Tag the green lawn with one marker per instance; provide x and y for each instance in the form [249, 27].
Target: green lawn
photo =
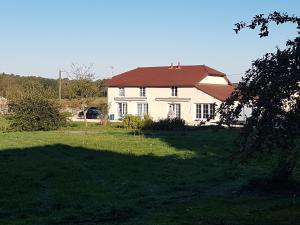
[107, 175]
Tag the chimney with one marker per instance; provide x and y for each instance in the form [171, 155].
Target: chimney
[178, 66]
[171, 67]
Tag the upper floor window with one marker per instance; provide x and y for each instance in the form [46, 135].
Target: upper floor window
[142, 91]
[174, 91]
[121, 92]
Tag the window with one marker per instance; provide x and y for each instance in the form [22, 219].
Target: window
[142, 91]
[174, 91]
[142, 109]
[122, 109]
[212, 110]
[198, 111]
[205, 111]
[121, 92]
[177, 109]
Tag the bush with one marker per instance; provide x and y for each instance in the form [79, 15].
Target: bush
[147, 121]
[167, 124]
[33, 113]
[66, 114]
[137, 122]
[3, 123]
[132, 122]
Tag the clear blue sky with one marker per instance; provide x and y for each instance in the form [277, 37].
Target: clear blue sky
[37, 37]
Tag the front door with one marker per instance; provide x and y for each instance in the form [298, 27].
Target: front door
[122, 109]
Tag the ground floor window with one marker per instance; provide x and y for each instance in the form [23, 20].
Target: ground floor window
[176, 109]
[198, 111]
[212, 109]
[142, 109]
[205, 111]
[122, 109]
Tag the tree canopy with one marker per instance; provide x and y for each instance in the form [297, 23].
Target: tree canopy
[13, 86]
[271, 88]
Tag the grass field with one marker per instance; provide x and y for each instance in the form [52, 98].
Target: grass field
[107, 175]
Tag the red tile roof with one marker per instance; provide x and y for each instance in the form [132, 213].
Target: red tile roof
[218, 91]
[185, 76]
[163, 76]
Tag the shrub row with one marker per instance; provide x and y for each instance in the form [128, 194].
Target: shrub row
[167, 124]
[146, 123]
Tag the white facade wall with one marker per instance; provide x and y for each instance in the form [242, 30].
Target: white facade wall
[159, 99]
[213, 80]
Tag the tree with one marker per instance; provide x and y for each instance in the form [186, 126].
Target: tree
[271, 88]
[81, 82]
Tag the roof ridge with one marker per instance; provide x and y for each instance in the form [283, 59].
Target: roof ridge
[140, 67]
[214, 84]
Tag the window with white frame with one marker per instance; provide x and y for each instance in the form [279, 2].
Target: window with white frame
[122, 109]
[198, 111]
[205, 111]
[142, 109]
[174, 91]
[212, 107]
[177, 109]
[121, 91]
[142, 91]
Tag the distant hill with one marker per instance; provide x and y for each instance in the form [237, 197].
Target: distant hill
[11, 84]
[14, 85]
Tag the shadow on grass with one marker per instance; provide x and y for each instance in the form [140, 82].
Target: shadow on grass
[60, 184]
[200, 140]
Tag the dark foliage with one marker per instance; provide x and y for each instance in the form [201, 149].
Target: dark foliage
[271, 89]
[166, 124]
[269, 186]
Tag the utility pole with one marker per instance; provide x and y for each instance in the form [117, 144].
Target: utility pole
[59, 86]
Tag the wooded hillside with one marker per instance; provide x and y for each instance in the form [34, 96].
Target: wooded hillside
[14, 85]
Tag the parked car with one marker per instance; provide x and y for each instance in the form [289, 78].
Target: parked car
[91, 113]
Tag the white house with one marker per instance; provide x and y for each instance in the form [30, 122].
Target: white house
[192, 92]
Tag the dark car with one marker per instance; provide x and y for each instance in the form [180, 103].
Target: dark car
[91, 113]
